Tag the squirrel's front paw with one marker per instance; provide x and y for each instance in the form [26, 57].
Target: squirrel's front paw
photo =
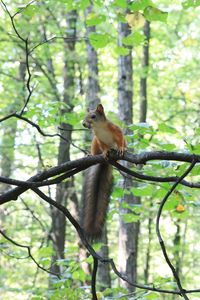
[120, 151]
[106, 154]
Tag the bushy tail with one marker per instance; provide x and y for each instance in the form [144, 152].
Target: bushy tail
[96, 194]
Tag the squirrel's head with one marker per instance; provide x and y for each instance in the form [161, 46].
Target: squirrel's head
[94, 116]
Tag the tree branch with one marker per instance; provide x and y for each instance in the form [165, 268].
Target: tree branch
[19, 116]
[26, 46]
[29, 252]
[95, 255]
[161, 241]
[72, 167]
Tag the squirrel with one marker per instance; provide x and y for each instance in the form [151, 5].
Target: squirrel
[98, 178]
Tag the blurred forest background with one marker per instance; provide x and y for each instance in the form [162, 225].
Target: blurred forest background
[140, 59]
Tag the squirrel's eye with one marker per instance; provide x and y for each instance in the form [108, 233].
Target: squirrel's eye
[93, 116]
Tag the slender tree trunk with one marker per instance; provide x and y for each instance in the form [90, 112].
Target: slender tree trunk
[92, 96]
[128, 232]
[142, 119]
[8, 140]
[143, 79]
[62, 190]
[92, 92]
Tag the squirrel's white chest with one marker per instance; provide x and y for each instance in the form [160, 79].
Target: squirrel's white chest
[105, 136]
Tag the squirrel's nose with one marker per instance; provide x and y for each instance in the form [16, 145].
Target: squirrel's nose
[84, 124]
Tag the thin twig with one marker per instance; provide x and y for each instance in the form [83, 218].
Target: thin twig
[19, 116]
[162, 244]
[154, 178]
[29, 253]
[26, 45]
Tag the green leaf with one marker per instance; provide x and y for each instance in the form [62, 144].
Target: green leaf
[197, 130]
[135, 208]
[166, 128]
[171, 203]
[93, 19]
[83, 4]
[118, 192]
[122, 51]
[120, 3]
[31, 10]
[121, 18]
[143, 191]
[129, 218]
[190, 3]
[79, 275]
[168, 147]
[134, 39]
[72, 119]
[45, 252]
[181, 216]
[152, 296]
[142, 128]
[195, 171]
[139, 5]
[196, 149]
[155, 14]
[98, 40]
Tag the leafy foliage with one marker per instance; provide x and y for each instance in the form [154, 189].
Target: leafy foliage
[173, 125]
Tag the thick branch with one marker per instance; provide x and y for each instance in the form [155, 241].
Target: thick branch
[72, 167]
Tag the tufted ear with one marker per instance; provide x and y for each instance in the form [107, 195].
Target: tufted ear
[100, 109]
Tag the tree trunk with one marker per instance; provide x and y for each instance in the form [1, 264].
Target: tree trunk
[143, 79]
[92, 92]
[142, 119]
[128, 232]
[92, 96]
[8, 140]
[62, 190]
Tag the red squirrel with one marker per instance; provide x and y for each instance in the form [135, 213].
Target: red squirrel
[98, 178]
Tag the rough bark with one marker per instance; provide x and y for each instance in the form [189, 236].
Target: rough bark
[92, 92]
[143, 79]
[127, 241]
[142, 119]
[128, 232]
[63, 189]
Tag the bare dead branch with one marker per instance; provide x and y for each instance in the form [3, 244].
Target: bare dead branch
[29, 252]
[19, 116]
[26, 46]
[51, 39]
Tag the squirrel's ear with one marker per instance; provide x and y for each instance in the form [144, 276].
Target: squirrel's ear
[100, 108]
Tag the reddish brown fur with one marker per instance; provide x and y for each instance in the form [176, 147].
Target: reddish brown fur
[98, 179]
